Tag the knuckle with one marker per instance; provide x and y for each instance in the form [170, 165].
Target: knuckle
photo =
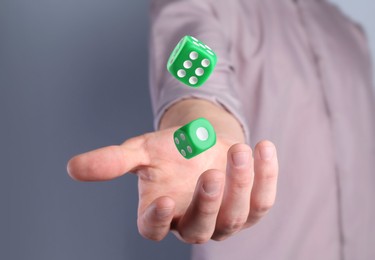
[243, 184]
[230, 226]
[206, 210]
[269, 176]
[260, 208]
[219, 237]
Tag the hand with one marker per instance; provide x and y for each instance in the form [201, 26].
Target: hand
[211, 196]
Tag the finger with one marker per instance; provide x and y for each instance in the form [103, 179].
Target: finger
[154, 223]
[108, 162]
[265, 181]
[198, 223]
[235, 208]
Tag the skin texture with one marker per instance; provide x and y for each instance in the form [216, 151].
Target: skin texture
[211, 196]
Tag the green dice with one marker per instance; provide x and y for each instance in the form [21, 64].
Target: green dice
[194, 138]
[191, 62]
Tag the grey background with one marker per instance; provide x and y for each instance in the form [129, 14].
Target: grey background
[73, 77]
[362, 11]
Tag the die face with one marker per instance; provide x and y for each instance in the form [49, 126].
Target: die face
[183, 144]
[192, 62]
[195, 138]
[202, 134]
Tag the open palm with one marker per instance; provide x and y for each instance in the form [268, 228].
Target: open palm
[212, 195]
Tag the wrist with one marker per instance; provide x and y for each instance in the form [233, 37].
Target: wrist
[225, 124]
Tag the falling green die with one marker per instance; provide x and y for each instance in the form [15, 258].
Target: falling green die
[194, 138]
[191, 61]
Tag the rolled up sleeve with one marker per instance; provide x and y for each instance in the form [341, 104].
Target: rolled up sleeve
[170, 21]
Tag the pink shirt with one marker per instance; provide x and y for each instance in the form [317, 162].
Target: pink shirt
[297, 73]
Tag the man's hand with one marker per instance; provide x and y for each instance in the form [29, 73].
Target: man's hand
[211, 196]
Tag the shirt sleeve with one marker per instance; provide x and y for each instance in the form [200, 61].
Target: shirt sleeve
[170, 21]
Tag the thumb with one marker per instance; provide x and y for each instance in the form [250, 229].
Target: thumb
[108, 162]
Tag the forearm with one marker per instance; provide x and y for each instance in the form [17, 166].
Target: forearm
[225, 124]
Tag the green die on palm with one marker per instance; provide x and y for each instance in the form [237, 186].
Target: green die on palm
[191, 61]
[194, 138]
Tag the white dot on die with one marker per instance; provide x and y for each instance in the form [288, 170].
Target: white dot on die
[193, 38]
[202, 133]
[208, 47]
[202, 45]
[181, 73]
[199, 71]
[210, 52]
[196, 43]
[182, 136]
[189, 149]
[193, 55]
[183, 152]
[205, 63]
[193, 80]
[176, 140]
[187, 64]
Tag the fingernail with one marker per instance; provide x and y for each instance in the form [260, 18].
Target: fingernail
[266, 153]
[211, 188]
[240, 158]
